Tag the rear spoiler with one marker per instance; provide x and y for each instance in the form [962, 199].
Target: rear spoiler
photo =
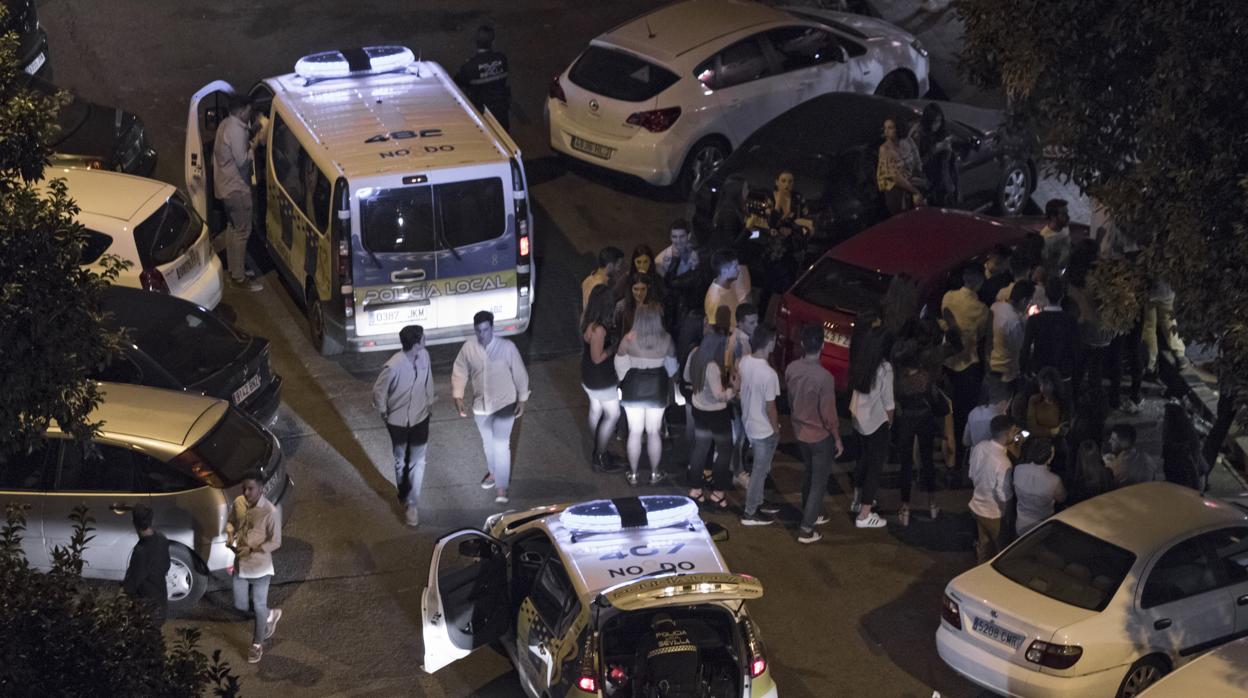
[661, 589]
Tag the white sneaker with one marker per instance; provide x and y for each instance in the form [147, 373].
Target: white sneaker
[501, 498]
[412, 517]
[822, 520]
[270, 626]
[808, 537]
[871, 520]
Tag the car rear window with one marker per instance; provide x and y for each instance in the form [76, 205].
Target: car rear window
[235, 448]
[167, 233]
[1066, 564]
[619, 75]
[187, 341]
[841, 286]
[425, 218]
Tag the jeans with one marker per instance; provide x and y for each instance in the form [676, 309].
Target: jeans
[409, 445]
[259, 588]
[738, 439]
[496, 439]
[922, 426]
[966, 386]
[817, 460]
[238, 210]
[871, 463]
[709, 428]
[764, 451]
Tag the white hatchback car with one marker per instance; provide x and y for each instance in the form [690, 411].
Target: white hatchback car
[151, 225]
[669, 94]
[1104, 598]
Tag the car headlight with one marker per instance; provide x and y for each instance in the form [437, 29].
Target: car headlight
[918, 48]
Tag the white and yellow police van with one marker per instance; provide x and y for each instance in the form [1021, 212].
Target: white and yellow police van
[611, 597]
[386, 198]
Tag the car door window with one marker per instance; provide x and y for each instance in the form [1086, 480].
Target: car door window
[156, 477]
[550, 593]
[93, 467]
[803, 47]
[1184, 571]
[740, 63]
[1230, 550]
[24, 471]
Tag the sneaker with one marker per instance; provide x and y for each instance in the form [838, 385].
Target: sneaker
[606, 463]
[821, 520]
[657, 477]
[501, 498]
[757, 519]
[487, 482]
[249, 285]
[254, 654]
[933, 511]
[871, 520]
[769, 508]
[855, 505]
[412, 517]
[632, 478]
[270, 627]
[808, 537]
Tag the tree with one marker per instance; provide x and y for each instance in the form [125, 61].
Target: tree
[51, 329]
[1140, 104]
[63, 637]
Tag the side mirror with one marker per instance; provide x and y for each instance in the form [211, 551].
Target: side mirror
[719, 534]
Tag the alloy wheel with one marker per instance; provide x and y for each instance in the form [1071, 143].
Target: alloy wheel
[1014, 191]
[704, 161]
[178, 579]
[1140, 678]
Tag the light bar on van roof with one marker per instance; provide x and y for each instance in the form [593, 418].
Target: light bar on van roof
[603, 515]
[358, 61]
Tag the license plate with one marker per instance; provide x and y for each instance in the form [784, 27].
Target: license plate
[192, 261]
[598, 151]
[832, 337]
[995, 632]
[36, 64]
[393, 316]
[248, 388]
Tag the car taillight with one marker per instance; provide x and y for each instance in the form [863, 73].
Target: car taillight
[949, 611]
[524, 246]
[1052, 655]
[191, 462]
[655, 121]
[588, 680]
[153, 280]
[555, 91]
[588, 684]
[754, 645]
[344, 278]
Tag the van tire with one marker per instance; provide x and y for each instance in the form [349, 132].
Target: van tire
[186, 581]
[324, 343]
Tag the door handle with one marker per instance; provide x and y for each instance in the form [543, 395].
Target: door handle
[1242, 601]
[1162, 624]
[119, 508]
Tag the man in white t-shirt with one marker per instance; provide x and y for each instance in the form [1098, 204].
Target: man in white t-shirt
[759, 387]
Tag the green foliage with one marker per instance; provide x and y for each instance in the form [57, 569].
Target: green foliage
[51, 333]
[1140, 103]
[66, 638]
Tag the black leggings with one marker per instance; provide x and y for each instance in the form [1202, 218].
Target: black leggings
[908, 428]
[871, 463]
[713, 427]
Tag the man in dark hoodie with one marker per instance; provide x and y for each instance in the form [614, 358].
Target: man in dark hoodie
[149, 564]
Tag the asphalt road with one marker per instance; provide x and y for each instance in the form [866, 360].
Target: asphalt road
[852, 615]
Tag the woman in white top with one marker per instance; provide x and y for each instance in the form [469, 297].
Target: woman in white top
[712, 420]
[645, 363]
[871, 377]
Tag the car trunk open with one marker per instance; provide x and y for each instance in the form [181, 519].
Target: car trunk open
[628, 641]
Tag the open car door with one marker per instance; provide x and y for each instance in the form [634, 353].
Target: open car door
[209, 106]
[467, 603]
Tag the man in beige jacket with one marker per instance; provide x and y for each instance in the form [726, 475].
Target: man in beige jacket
[253, 531]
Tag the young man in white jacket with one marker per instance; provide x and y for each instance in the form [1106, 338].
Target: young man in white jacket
[403, 394]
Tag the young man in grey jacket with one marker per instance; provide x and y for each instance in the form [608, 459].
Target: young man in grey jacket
[403, 394]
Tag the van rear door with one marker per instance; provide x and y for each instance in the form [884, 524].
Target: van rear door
[393, 265]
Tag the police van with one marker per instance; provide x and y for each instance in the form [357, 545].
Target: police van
[385, 198]
[612, 597]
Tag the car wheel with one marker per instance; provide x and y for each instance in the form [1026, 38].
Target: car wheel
[1014, 190]
[321, 339]
[703, 157]
[1141, 675]
[185, 582]
[897, 85]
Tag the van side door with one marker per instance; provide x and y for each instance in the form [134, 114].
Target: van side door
[209, 106]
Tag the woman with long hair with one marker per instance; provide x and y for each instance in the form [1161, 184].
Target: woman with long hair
[940, 163]
[712, 420]
[728, 222]
[871, 405]
[645, 365]
[598, 374]
[639, 289]
[1180, 448]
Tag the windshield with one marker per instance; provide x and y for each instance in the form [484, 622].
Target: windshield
[235, 448]
[1066, 564]
[167, 233]
[836, 284]
[433, 217]
[188, 342]
[619, 75]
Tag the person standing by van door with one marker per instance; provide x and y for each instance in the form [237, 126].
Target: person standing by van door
[231, 183]
[484, 78]
[149, 565]
[500, 387]
[403, 394]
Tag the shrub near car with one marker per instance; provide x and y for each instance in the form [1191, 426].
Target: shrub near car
[582, 598]
[1103, 598]
[182, 455]
[666, 96]
[178, 345]
[929, 245]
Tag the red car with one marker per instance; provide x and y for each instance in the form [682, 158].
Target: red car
[928, 244]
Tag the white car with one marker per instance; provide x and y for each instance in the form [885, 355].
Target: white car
[668, 95]
[1219, 672]
[611, 598]
[151, 225]
[1102, 599]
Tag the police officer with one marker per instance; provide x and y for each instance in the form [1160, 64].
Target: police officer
[484, 78]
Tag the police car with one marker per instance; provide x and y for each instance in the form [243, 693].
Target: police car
[612, 597]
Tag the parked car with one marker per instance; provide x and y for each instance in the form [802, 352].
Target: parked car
[831, 145]
[1103, 598]
[666, 96]
[22, 19]
[575, 594]
[1219, 672]
[98, 137]
[178, 345]
[182, 455]
[930, 245]
[149, 224]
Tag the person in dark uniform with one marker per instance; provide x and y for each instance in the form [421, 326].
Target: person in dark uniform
[149, 565]
[668, 661]
[484, 78]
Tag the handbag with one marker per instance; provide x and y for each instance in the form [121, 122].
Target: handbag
[645, 385]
